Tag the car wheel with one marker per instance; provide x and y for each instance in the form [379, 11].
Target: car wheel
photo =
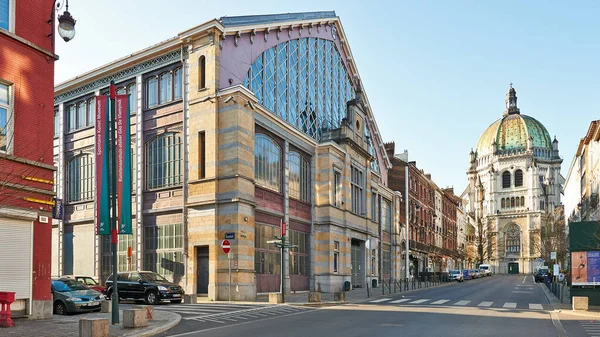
[176, 301]
[151, 298]
[60, 308]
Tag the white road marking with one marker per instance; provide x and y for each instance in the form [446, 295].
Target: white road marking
[524, 278]
[402, 300]
[510, 305]
[521, 292]
[380, 300]
[440, 302]
[419, 301]
[485, 304]
[462, 303]
[535, 306]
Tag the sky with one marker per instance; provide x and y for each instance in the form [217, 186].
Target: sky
[435, 72]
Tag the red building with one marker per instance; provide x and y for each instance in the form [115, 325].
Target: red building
[26, 158]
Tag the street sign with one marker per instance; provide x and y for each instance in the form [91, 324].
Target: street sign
[283, 228]
[226, 246]
[230, 236]
[553, 256]
[540, 259]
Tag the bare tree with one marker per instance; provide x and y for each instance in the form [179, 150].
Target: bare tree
[552, 236]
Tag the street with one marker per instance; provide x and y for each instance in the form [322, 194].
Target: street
[492, 306]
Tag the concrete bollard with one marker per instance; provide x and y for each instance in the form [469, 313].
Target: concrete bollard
[340, 297]
[190, 299]
[94, 327]
[134, 318]
[275, 298]
[149, 310]
[105, 306]
[314, 297]
[580, 303]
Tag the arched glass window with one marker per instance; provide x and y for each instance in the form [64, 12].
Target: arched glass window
[299, 180]
[177, 83]
[79, 178]
[202, 72]
[518, 178]
[512, 202]
[303, 81]
[165, 88]
[152, 92]
[91, 111]
[132, 92]
[513, 238]
[267, 162]
[164, 161]
[506, 179]
[503, 203]
[518, 202]
[523, 201]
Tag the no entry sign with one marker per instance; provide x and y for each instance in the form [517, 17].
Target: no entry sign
[226, 246]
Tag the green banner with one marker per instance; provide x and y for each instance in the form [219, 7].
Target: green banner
[123, 164]
[102, 217]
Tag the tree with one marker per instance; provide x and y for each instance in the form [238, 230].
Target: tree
[552, 236]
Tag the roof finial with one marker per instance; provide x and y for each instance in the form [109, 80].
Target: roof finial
[510, 84]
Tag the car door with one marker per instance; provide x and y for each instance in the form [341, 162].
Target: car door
[123, 285]
[136, 285]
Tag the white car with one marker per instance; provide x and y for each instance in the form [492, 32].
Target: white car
[484, 270]
[456, 275]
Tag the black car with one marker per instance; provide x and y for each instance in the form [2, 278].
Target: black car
[540, 275]
[145, 285]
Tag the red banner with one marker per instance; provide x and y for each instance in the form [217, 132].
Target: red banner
[102, 199]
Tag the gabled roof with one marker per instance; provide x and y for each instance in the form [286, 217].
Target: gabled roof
[245, 20]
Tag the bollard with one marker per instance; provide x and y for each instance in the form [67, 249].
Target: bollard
[6, 298]
[149, 310]
[94, 327]
[105, 306]
[314, 297]
[134, 318]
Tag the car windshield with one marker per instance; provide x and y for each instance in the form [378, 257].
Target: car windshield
[484, 267]
[455, 272]
[68, 285]
[151, 277]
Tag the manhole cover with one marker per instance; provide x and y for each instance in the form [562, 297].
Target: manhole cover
[392, 325]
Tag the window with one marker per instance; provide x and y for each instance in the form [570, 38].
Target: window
[518, 178]
[357, 191]
[337, 188]
[5, 112]
[163, 249]
[267, 257]
[201, 155]
[79, 178]
[164, 161]
[81, 114]
[523, 201]
[164, 88]
[386, 216]
[374, 206]
[125, 241]
[130, 90]
[299, 179]
[513, 238]
[506, 179]
[299, 261]
[336, 255]
[5, 13]
[56, 123]
[267, 162]
[201, 72]
[503, 203]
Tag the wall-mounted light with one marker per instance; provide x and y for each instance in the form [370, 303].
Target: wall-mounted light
[66, 23]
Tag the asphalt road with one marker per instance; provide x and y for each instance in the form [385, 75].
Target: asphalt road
[492, 306]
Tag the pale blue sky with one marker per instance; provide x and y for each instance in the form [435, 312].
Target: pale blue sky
[436, 72]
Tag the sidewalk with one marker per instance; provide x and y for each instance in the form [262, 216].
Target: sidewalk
[68, 326]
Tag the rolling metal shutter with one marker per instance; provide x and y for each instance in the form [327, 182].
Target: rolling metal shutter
[15, 257]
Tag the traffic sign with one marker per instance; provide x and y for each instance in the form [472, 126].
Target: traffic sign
[540, 259]
[283, 228]
[226, 246]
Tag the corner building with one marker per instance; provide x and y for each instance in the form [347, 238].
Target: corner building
[514, 184]
[238, 125]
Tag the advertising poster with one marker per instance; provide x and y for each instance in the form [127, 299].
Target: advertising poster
[585, 268]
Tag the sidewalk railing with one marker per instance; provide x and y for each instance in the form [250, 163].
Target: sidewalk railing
[393, 286]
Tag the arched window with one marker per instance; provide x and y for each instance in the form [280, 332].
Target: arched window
[132, 92]
[164, 161]
[506, 179]
[503, 203]
[523, 201]
[177, 83]
[299, 181]
[267, 162]
[202, 72]
[165, 88]
[512, 202]
[305, 82]
[518, 202]
[152, 92]
[513, 238]
[518, 178]
[79, 178]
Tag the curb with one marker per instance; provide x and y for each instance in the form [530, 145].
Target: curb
[554, 302]
[155, 331]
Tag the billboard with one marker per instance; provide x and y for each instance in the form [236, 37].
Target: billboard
[585, 268]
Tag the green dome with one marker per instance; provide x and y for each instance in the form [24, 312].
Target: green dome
[511, 133]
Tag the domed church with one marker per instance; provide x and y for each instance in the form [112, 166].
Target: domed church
[514, 184]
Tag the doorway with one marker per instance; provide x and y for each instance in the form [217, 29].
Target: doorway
[357, 263]
[513, 267]
[202, 270]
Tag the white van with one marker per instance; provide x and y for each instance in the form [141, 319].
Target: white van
[485, 269]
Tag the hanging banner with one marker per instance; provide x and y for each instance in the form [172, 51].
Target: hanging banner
[123, 164]
[102, 217]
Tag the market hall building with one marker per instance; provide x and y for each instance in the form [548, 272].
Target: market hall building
[238, 125]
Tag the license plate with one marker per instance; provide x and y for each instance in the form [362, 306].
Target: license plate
[176, 295]
[91, 304]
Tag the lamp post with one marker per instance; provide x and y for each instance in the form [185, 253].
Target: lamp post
[66, 23]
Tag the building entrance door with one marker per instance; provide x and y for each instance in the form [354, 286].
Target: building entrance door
[358, 261]
[202, 270]
[513, 267]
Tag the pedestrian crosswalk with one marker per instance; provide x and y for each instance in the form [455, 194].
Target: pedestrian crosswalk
[463, 303]
[591, 327]
[227, 313]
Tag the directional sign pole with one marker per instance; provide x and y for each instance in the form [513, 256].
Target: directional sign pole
[226, 248]
[229, 259]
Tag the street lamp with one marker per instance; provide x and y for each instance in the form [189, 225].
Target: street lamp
[66, 23]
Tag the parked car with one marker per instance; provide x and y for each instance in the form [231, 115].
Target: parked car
[71, 296]
[475, 273]
[456, 275]
[145, 285]
[540, 275]
[88, 281]
[485, 270]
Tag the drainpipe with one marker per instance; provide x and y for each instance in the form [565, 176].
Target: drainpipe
[185, 166]
[380, 273]
[406, 200]
[313, 285]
